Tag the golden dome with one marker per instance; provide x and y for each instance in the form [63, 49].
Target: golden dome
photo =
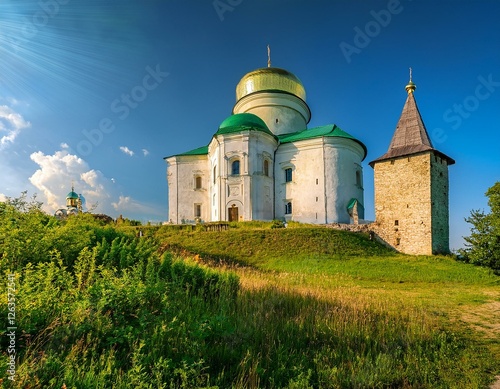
[270, 79]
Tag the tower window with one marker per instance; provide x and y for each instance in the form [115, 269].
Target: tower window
[358, 178]
[396, 222]
[266, 167]
[392, 162]
[277, 121]
[235, 167]
[317, 181]
[288, 175]
[215, 174]
[197, 210]
[288, 208]
[198, 182]
[398, 241]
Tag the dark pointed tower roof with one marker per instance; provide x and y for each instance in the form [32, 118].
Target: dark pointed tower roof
[410, 136]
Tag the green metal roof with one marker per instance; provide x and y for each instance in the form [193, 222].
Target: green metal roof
[72, 195]
[330, 130]
[203, 150]
[242, 122]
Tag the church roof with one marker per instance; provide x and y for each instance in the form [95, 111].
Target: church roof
[330, 130]
[203, 150]
[270, 79]
[72, 195]
[410, 136]
[242, 122]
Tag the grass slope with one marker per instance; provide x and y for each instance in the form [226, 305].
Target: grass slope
[360, 275]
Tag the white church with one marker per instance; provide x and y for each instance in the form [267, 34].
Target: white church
[264, 163]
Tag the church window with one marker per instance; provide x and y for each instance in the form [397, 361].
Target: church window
[288, 208]
[266, 167]
[398, 241]
[277, 121]
[288, 175]
[197, 210]
[392, 162]
[396, 222]
[215, 173]
[317, 181]
[198, 182]
[235, 167]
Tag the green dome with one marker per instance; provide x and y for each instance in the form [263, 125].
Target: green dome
[241, 122]
[270, 79]
[72, 195]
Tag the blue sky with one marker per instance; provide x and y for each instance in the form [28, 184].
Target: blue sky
[98, 92]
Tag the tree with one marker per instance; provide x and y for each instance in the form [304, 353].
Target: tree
[482, 247]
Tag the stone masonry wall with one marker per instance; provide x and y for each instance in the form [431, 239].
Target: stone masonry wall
[403, 203]
[440, 206]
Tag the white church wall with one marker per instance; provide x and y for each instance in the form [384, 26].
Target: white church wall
[305, 192]
[342, 160]
[249, 191]
[188, 198]
[232, 188]
[261, 149]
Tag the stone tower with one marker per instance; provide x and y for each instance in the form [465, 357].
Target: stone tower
[411, 187]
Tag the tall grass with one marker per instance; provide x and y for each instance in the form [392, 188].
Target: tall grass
[314, 308]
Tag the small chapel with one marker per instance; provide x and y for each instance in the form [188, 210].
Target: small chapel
[264, 163]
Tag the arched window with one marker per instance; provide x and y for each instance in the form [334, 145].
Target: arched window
[266, 167]
[288, 208]
[235, 167]
[198, 182]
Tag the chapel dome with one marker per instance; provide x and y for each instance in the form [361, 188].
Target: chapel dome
[270, 79]
[241, 122]
[72, 195]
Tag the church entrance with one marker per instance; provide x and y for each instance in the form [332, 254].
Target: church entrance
[233, 213]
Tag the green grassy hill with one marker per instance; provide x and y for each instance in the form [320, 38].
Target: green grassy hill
[350, 270]
[99, 306]
[259, 245]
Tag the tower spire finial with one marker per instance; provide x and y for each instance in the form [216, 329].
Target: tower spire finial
[410, 87]
[268, 56]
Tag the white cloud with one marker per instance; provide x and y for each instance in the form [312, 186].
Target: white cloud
[58, 172]
[64, 146]
[11, 124]
[145, 152]
[126, 150]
